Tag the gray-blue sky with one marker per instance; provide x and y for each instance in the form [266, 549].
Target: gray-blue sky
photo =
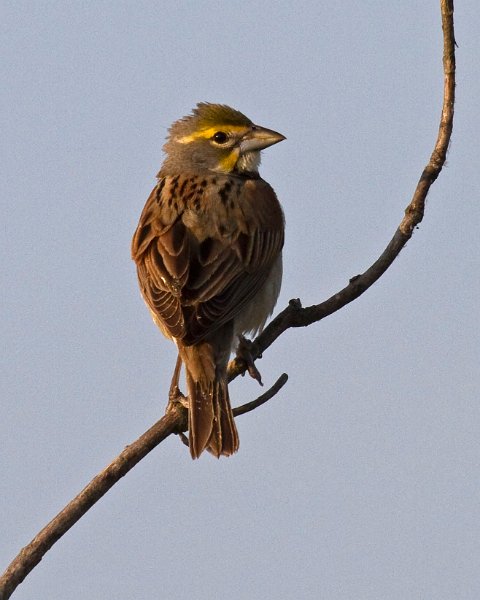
[361, 479]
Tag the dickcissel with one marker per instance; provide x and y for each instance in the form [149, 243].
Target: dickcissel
[208, 253]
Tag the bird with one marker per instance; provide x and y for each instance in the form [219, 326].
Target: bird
[208, 252]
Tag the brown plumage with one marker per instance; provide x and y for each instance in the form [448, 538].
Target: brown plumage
[208, 254]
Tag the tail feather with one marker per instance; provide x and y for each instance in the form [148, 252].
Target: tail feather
[201, 415]
[211, 423]
[224, 437]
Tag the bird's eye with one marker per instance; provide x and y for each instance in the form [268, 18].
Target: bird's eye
[220, 137]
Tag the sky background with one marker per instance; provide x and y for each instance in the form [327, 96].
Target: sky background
[361, 479]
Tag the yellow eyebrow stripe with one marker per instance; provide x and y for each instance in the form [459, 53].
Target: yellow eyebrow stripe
[208, 132]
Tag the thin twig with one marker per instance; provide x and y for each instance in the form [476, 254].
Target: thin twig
[276, 387]
[249, 406]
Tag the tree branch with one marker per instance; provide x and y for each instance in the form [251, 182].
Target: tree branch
[296, 316]
[175, 419]
[32, 554]
[276, 387]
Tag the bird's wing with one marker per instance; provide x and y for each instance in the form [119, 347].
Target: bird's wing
[201, 256]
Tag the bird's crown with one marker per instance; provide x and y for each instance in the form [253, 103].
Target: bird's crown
[207, 114]
[205, 120]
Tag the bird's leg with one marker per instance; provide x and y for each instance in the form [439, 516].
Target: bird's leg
[174, 394]
[174, 390]
[175, 397]
[244, 353]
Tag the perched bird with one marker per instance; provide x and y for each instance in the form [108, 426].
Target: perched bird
[208, 254]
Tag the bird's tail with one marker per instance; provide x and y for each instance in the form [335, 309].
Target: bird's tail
[211, 423]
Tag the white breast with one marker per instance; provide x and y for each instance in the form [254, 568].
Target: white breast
[252, 318]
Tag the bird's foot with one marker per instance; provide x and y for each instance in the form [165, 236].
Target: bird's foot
[178, 405]
[244, 354]
[175, 396]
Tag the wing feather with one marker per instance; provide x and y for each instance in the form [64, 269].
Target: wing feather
[200, 261]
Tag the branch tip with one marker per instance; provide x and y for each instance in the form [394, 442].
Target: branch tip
[276, 387]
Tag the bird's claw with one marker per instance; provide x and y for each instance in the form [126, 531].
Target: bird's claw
[244, 353]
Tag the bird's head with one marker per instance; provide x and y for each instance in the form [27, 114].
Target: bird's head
[216, 138]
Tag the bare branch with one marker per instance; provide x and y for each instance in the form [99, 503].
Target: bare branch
[296, 316]
[276, 387]
[175, 420]
[32, 554]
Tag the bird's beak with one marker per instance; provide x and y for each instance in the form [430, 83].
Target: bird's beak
[259, 138]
